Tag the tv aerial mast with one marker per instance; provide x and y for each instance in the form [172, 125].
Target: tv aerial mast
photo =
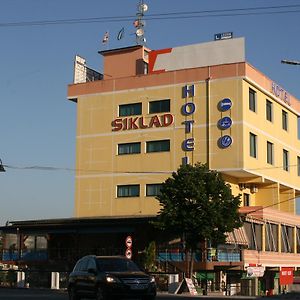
[139, 23]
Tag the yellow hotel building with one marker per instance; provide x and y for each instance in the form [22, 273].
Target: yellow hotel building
[153, 110]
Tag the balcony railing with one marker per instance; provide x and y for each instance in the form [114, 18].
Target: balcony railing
[213, 255]
[25, 255]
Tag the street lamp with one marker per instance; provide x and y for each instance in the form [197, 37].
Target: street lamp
[1, 166]
[290, 62]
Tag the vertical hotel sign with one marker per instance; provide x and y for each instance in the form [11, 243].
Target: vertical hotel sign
[187, 110]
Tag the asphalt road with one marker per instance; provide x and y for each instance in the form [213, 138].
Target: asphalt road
[36, 294]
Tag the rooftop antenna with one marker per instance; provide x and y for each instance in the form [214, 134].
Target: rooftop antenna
[139, 23]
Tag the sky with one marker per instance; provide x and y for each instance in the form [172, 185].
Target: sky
[38, 123]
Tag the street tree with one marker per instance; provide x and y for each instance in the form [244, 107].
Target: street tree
[197, 205]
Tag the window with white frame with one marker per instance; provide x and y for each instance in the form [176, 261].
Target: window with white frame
[285, 160]
[284, 120]
[130, 190]
[130, 109]
[153, 189]
[129, 148]
[159, 106]
[158, 146]
[253, 145]
[252, 100]
[269, 110]
[270, 153]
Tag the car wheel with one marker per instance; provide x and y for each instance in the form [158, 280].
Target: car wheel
[72, 294]
[100, 295]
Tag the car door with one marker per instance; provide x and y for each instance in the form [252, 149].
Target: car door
[91, 277]
[77, 276]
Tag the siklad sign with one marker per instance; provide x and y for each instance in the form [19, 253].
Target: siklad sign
[141, 122]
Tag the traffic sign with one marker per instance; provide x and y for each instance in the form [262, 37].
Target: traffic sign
[128, 241]
[225, 141]
[128, 253]
[225, 123]
[225, 104]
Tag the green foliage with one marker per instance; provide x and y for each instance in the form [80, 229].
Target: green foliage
[197, 204]
[150, 256]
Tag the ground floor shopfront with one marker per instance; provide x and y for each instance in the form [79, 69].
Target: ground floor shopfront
[40, 248]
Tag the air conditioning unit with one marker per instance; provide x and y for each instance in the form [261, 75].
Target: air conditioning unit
[242, 186]
[254, 189]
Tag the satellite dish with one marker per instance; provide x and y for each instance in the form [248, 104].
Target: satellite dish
[139, 32]
[143, 7]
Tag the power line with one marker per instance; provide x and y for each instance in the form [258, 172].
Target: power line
[52, 168]
[271, 205]
[250, 11]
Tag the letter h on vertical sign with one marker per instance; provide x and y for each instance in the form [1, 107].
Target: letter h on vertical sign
[188, 91]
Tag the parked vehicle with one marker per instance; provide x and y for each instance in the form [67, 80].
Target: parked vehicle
[109, 277]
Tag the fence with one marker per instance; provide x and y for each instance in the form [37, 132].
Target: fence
[33, 279]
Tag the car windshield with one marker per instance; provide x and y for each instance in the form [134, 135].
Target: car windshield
[116, 265]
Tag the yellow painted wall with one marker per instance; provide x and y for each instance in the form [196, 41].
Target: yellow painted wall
[100, 169]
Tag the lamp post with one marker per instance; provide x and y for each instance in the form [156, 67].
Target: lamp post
[1, 166]
[290, 62]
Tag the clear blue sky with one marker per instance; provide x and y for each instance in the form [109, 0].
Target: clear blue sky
[38, 124]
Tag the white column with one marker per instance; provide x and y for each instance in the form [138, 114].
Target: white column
[55, 280]
[20, 279]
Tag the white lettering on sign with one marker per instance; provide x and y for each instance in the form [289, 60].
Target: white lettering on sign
[128, 241]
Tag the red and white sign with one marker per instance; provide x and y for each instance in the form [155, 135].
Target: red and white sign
[191, 287]
[286, 275]
[128, 253]
[128, 242]
[255, 271]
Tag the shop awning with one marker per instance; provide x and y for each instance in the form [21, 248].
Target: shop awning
[237, 236]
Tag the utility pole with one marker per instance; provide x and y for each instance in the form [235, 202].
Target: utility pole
[290, 62]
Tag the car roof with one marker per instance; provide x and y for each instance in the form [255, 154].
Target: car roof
[105, 256]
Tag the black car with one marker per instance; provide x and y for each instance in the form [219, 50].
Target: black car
[109, 277]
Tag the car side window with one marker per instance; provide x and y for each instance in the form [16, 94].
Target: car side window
[91, 265]
[83, 265]
[78, 266]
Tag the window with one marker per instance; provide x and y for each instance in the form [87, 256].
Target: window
[129, 148]
[287, 240]
[130, 109]
[158, 146]
[285, 159]
[298, 165]
[254, 235]
[253, 145]
[269, 110]
[159, 106]
[270, 153]
[252, 100]
[271, 237]
[41, 242]
[246, 198]
[284, 120]
[91, 265]
[153, 189]
[132, 190]
[298, 239]
[81, 265]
